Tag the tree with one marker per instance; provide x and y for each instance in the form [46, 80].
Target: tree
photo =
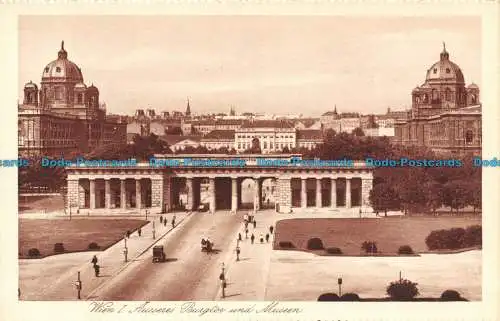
[383, 198]
[455, 195]
[358, 132]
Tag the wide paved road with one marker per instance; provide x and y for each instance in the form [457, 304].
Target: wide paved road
[188, 273]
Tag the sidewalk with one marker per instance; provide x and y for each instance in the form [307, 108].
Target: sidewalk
[52, 280]
[247, 278]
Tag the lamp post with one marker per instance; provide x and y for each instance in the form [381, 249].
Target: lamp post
[78, 285]
[154, 236]
[125, 250]
[339, 281]
[146, 215]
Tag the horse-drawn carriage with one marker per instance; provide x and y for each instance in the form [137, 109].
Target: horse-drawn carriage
[158, 254]
[207, 246]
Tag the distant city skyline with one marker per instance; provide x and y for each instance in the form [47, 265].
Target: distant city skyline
[263, 64]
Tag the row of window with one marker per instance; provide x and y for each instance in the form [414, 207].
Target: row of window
[265, 137]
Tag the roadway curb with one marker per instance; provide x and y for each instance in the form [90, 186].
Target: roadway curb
[185, 218]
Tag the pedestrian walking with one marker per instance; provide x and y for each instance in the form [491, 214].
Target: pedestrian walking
[94, 260]
[139, 231]
[246, 224]
[164, 222]
[245, 218]
[252, 238]
[96, 270]
[246, 233]
[239, 236]
[161, 219]
[128, 234]
[267, 237]
[271, 229]
[261, 239]
[254, 224]
[238, 253]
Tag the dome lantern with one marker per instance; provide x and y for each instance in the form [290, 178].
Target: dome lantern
[62, 54]
[444, 54]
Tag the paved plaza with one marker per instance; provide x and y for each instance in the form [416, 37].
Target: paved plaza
[260, 274]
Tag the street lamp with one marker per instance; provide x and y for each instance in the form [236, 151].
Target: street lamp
[339, 282]
[125, 250]
[78, 285]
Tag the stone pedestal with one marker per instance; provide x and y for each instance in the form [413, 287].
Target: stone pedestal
[366, 187]
[257, 194]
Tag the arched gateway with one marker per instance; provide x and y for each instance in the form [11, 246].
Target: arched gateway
[170, 182]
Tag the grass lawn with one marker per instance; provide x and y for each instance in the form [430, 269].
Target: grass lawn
[75, 234]
[348, 233]
[37, 203]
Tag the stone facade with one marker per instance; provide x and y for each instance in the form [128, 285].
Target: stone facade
[139, 188]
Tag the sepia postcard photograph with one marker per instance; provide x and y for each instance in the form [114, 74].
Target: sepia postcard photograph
[252, 166]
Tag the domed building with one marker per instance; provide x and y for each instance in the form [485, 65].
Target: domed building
[64, 116]
[445, 114]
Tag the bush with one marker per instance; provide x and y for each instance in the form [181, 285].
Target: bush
[451, 295]
[369, 247]
[405, 249]
[350, 297]
[334, 250]
[34, 252]
[94, 246]
[315, 244]
[446, 239]
[286, 245]
[328, 297]
[473, 236]
[402, 290]
[59, 248]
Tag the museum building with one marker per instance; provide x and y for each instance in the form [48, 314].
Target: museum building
[64, 116]
[445, 114]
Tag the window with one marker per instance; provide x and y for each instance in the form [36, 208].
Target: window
[448, 94]
[469, 137]
[448, 70]
[58, 69]
[435, 70]
[46, 69]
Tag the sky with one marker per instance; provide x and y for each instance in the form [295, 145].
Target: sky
[272, 64]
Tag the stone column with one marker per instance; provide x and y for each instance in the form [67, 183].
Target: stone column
[284, 195]
[107, 193]
[123, 194]
[366, 187]
[333, 199]
[303, 193]
[92, 194]
[348, 193]
[256, 195]
[211, 194]
[138, 194]
[234, 194]
[318, 193]
[157, 193]
[73, 191]
[190, 194]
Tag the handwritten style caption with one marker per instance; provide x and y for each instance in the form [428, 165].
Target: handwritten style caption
[188, 308]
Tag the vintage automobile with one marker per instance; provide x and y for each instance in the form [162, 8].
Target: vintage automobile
[203, 208]
[158, 254]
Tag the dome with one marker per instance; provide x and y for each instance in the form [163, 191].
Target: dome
[473, 86]
[81, 85]
[31, 85]
[92, 89]
[416, 89]
[62, 69]
[445, 69]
